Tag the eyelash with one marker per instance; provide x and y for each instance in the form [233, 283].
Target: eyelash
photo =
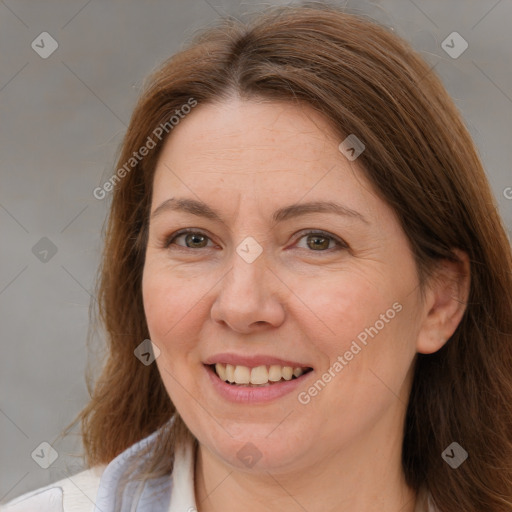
[339, 243]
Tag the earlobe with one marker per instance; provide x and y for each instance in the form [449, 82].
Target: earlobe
[446, 300]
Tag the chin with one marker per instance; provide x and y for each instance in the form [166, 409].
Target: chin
[257, 447]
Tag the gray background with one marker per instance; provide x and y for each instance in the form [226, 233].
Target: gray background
[62, 119]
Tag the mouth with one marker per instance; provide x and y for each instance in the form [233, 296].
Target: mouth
[257, 376]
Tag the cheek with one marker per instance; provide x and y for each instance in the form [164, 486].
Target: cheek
[343, 308]
[371, 327]
[172, 313]
[157, 301]
[170, 305]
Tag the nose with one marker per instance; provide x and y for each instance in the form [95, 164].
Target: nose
[250, 297]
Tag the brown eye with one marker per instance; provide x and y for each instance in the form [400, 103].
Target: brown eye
[193, 239]
[318, 241]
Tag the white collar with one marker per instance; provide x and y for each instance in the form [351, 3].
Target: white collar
[179, 487]
[183, 495]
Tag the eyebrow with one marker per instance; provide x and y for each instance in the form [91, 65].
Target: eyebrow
[201, 209]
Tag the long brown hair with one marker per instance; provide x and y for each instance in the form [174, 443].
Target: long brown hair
[420, 158]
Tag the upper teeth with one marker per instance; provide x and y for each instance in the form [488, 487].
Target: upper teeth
[258, 375]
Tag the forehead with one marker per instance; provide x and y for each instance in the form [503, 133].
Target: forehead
[256, 128]
[257, 151]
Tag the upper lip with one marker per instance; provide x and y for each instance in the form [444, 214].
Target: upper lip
[253, 361]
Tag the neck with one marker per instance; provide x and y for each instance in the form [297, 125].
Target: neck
[346, 480]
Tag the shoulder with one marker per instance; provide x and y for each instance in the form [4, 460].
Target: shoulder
[76, 493]
[91, 489]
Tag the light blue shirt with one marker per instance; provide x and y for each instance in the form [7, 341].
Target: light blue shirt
[173, 493]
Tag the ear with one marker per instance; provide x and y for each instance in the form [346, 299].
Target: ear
[446, 298]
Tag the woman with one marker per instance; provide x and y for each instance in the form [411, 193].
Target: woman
[302, 227]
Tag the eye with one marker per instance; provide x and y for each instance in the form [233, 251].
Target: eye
[319, 241]
[193, 239]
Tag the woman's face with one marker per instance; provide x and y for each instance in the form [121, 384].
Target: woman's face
[250, 286]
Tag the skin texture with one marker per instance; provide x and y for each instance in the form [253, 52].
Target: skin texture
[341, 451]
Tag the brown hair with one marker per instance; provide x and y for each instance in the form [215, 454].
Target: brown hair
[419, 157]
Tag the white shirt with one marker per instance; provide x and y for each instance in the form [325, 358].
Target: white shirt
[92, 490]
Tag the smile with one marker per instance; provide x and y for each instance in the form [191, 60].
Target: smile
[259, 376]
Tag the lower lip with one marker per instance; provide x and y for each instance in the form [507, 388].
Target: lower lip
[246, 394]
